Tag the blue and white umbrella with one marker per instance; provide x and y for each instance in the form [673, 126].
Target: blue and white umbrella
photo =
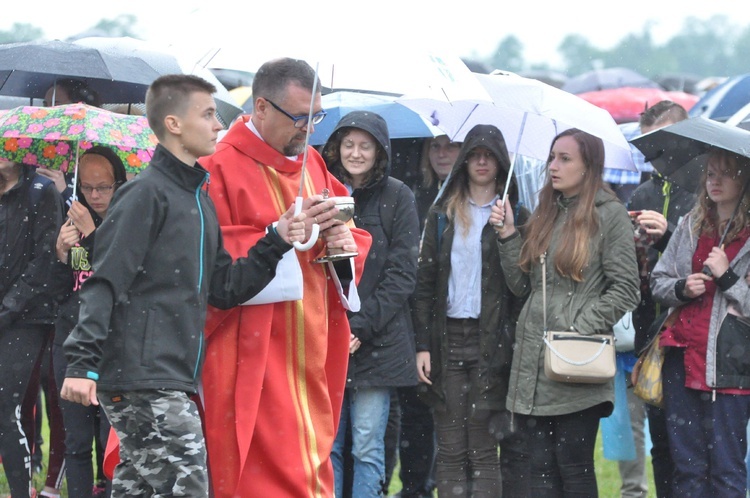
[402, 121]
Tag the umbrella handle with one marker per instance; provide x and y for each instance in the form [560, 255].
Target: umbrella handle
[306, 246]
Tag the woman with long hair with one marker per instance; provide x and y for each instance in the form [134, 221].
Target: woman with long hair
[464, 317]
[706, 406]
[585, 235]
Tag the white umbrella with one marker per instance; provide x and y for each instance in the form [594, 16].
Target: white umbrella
[529, 113]
[369, 69]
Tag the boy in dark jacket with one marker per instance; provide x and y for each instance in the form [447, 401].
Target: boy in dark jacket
[158, 262]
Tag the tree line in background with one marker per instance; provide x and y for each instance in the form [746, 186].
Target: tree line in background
[713, 47]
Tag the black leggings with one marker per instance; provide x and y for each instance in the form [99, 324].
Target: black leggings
[562, 453]
[20, 347]
[81, 426]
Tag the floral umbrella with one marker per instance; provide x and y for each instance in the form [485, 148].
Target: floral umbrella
[53, 137]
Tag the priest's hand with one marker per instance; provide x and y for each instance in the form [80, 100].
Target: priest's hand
[319, 210]
[292, 228]
[338, 236]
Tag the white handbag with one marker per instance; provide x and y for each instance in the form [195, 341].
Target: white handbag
[574, 357]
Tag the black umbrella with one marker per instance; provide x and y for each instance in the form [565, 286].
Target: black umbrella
[680, 151]
[29, 69]
[165, 62]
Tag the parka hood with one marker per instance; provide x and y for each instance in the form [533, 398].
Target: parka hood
[372, 123]
[488, 137]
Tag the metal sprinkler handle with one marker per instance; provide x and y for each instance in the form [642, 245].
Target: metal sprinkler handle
[306, 246]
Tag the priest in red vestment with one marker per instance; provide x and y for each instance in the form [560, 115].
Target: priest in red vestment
[274, 375]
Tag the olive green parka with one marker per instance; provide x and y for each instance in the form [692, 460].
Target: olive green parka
[610, 287]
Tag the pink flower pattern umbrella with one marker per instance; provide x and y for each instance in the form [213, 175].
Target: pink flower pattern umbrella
[53, 137]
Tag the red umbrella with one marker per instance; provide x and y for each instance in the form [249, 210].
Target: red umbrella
[627, 103]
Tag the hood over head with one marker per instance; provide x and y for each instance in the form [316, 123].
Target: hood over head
[375, 125]
[490, 138]
[118, 168]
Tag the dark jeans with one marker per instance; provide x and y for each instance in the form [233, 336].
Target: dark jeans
[661, 460]
[707, 436]
[20, 350]
[467, 458]
[562, 453]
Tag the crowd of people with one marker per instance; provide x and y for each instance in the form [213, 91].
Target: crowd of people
[422, 345]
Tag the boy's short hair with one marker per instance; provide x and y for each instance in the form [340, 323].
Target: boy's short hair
[170, 94]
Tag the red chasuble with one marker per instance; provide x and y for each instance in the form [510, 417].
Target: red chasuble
[274, 375]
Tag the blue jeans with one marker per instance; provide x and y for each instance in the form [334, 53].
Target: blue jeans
[365, 410]
[706, 436]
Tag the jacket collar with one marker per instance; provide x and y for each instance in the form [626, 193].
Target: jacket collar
[188, 177]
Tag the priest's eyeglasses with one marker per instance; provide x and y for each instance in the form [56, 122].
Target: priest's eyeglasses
[300, 121]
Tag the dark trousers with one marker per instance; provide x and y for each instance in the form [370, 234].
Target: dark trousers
[31, 414]
[562, 453]
[83, 425]
[467, 457]
[707, 436]
[20, 350]
[416, 446]
[661, 460]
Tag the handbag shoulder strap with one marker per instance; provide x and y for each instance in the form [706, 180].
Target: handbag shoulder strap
[543, 257]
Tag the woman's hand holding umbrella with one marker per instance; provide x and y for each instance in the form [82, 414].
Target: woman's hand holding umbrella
[81, 218]
[67, 238]
[501, 218]
[717, 262]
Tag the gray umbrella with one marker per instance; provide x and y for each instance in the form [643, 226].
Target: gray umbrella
[164, 62]
[29, 69]
[680, 151]
[610, 77]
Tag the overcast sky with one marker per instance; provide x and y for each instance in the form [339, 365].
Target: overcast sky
[267, 28]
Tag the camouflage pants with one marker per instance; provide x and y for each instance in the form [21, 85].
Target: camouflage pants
[162, 450]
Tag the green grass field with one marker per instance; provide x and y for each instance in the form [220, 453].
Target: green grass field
[606, 473]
